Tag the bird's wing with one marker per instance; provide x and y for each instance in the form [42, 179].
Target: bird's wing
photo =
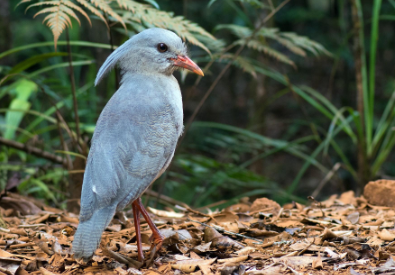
[132, 143]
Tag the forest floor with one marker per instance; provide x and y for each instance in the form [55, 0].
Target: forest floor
[342, 235]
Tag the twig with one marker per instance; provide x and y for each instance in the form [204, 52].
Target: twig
[64, 145]
[306, 248]
[187, 208]
[32, 150]
[20, 245]
[31, 225]
[213, 204]
[220, 229]
[59, 120]
[164, 198]
[75, 104]
[221, 74]
[326, 179]
[313, 200]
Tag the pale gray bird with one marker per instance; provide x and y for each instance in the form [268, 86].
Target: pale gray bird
[135, 136]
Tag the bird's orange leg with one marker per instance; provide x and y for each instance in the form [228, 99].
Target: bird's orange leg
[157, 237]
[136, 218]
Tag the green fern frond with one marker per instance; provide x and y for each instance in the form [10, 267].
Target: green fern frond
[93, 10]
[105, 7]
[306, 43]
[261, 47]
[239, 31]
[152, 17]
[293, 42]
[59, 17]
[240, 62]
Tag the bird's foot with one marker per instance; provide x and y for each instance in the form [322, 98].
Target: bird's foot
[157, 241]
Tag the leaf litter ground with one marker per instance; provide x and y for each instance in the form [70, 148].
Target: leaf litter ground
[342, 235]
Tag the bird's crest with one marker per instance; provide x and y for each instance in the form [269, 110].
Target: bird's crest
[111, 61]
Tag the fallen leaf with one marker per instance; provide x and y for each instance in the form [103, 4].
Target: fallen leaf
[317, 263]
[166, 214]
[386, 235]
[233, 260]
[190, 265]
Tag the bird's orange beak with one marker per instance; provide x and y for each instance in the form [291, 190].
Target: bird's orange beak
[187, 63]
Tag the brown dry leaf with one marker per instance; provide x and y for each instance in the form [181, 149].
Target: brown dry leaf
[190, 265]
[246, 250]
[205, 269]
[353, 218]
[233, 260]
[265, 205]
[19, 205]
[348, 197]
[349, 234]
[166, 214]
[9, 265]
[5, 254]
[317, 263]
[46, 272]
[202, 248]
[238, 208]
[225, 217]
[270, 270]
[386, 235]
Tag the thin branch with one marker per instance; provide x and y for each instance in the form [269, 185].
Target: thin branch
[220, 229]
[221, 74]
[326, 179]
[33, 151]
[164, 198]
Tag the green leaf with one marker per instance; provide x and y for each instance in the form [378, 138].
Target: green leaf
[60, 43]
[23, 90]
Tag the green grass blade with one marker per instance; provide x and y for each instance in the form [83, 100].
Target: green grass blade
[307, 164]
[60, 43]
[336, 112]
[385, 122]
[61, 65]
[333, 125]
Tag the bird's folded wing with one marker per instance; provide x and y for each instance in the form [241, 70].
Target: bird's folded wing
[131, 145]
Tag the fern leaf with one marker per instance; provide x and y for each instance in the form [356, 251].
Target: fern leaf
[71, 13]
[275, 34]
[57, 22]
[152, 17]
[105, 7]
[239, 31]
[240, 62]
[293, 42]
[79, 9]
[93, 10]
[259, 46]
[58, 17]
[23, 1]
[306, 43]
[53, 3]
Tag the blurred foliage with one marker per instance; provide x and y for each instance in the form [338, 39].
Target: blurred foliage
[276, 130]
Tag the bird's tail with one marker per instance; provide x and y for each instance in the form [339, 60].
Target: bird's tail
[88, 235]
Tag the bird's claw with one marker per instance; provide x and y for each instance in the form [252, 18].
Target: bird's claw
[155, 247]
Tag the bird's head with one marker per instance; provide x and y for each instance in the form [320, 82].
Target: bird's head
[151, 51]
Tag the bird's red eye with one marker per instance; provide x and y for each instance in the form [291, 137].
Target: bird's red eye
[162, 47]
